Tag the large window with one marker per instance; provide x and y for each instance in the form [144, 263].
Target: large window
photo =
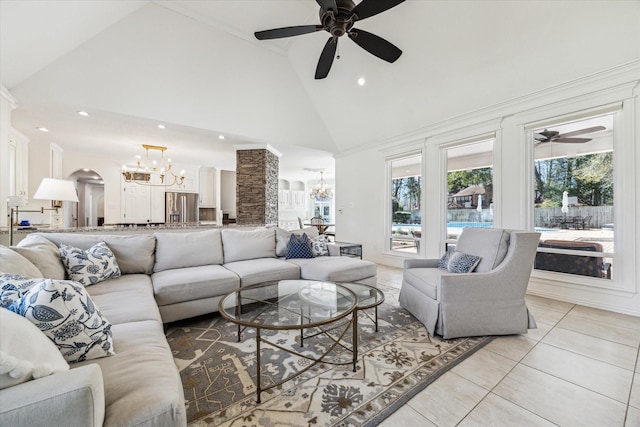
[469, 187]
[574, 196]
[406, 204]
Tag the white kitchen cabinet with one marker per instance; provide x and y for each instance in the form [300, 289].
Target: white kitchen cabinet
[207, 187]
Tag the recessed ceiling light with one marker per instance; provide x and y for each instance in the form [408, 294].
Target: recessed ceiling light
[361, 81]
[83, 113]
[162, 127]
[220, 136]
[43, 129]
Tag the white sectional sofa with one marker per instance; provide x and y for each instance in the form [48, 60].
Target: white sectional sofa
[166, 276]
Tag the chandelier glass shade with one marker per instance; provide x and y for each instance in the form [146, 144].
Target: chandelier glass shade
[321, 192]
[142, 173]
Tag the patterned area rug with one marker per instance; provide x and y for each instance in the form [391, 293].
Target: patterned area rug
[394, 364]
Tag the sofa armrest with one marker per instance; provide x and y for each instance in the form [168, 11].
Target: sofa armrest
[420, 263]
[70, 398]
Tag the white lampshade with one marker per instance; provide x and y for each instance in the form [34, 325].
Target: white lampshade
[56, 189]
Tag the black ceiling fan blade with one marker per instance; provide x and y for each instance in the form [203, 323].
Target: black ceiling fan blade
[326, 58]
[375, 45]
[328, 4]
[278, 33]
[581, 131]
[571, 140]
[368, 8]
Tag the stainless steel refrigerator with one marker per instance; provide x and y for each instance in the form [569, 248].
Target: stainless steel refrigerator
[181, 208]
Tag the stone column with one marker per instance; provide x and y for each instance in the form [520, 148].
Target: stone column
[257, 186]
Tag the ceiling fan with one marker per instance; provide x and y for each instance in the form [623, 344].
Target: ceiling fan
[337, 17]
[555, 136]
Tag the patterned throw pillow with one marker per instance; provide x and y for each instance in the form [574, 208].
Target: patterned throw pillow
[462, 263]
[319, 246]
[444, 261]
[299, 247]
[91, 266]
[65, 312]
[14, 286]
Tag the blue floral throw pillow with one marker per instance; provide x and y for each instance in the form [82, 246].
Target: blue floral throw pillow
[319, 246]
[88, 267]
[462, 263]
[299, 247]
[14, 286]
[64, 312]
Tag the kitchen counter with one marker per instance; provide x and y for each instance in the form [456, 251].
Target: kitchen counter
[20, 233]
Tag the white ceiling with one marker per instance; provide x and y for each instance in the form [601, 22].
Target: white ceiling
[196, 67]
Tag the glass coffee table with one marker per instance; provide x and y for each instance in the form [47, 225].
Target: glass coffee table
[294, 305]
[300, 305]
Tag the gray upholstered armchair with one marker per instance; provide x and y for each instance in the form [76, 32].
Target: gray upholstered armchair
[488, 301]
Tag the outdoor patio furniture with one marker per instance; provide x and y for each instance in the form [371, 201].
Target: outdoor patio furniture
[588, 265]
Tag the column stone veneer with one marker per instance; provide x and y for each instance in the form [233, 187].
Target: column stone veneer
[257, 187]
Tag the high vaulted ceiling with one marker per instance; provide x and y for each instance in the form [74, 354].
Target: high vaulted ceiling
[196, 67]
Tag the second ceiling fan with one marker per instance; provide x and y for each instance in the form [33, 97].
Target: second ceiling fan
[555, 136]
[337, 17]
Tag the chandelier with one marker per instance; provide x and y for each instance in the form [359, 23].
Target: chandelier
[142, 173]
[321, 192]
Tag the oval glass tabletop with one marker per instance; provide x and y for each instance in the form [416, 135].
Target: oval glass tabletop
[368, 296]
[288, 304]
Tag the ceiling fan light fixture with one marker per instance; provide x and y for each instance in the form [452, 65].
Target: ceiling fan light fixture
[337, 17]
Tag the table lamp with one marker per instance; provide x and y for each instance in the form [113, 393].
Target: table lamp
[56, 190]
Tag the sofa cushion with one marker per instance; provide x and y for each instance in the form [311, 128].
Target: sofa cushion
[192, 283]
[128, 298]
[43, 254]
[190, 249]
[263, 270]
[425, 280]
[25, 352]
[490, 244]
[133, 252]
[65, 312]
[282, 238]
[12, 262]
[240, 245]
[142, 386]
[335, 268]
[90, 266]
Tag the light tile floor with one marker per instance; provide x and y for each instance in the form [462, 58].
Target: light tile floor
[579, 368]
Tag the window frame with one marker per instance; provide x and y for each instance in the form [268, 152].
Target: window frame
[388, 216]
[622, 121]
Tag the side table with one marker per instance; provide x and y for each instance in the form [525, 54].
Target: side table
[350, 249]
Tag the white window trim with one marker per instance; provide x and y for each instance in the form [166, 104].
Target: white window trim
[624, 200]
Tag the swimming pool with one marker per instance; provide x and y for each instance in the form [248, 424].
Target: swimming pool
[462, 224]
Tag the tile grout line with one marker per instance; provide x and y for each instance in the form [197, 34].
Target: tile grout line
[633, 378]
[519, 362]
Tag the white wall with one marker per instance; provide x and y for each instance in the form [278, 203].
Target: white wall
[7, 104]
[364, 195]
